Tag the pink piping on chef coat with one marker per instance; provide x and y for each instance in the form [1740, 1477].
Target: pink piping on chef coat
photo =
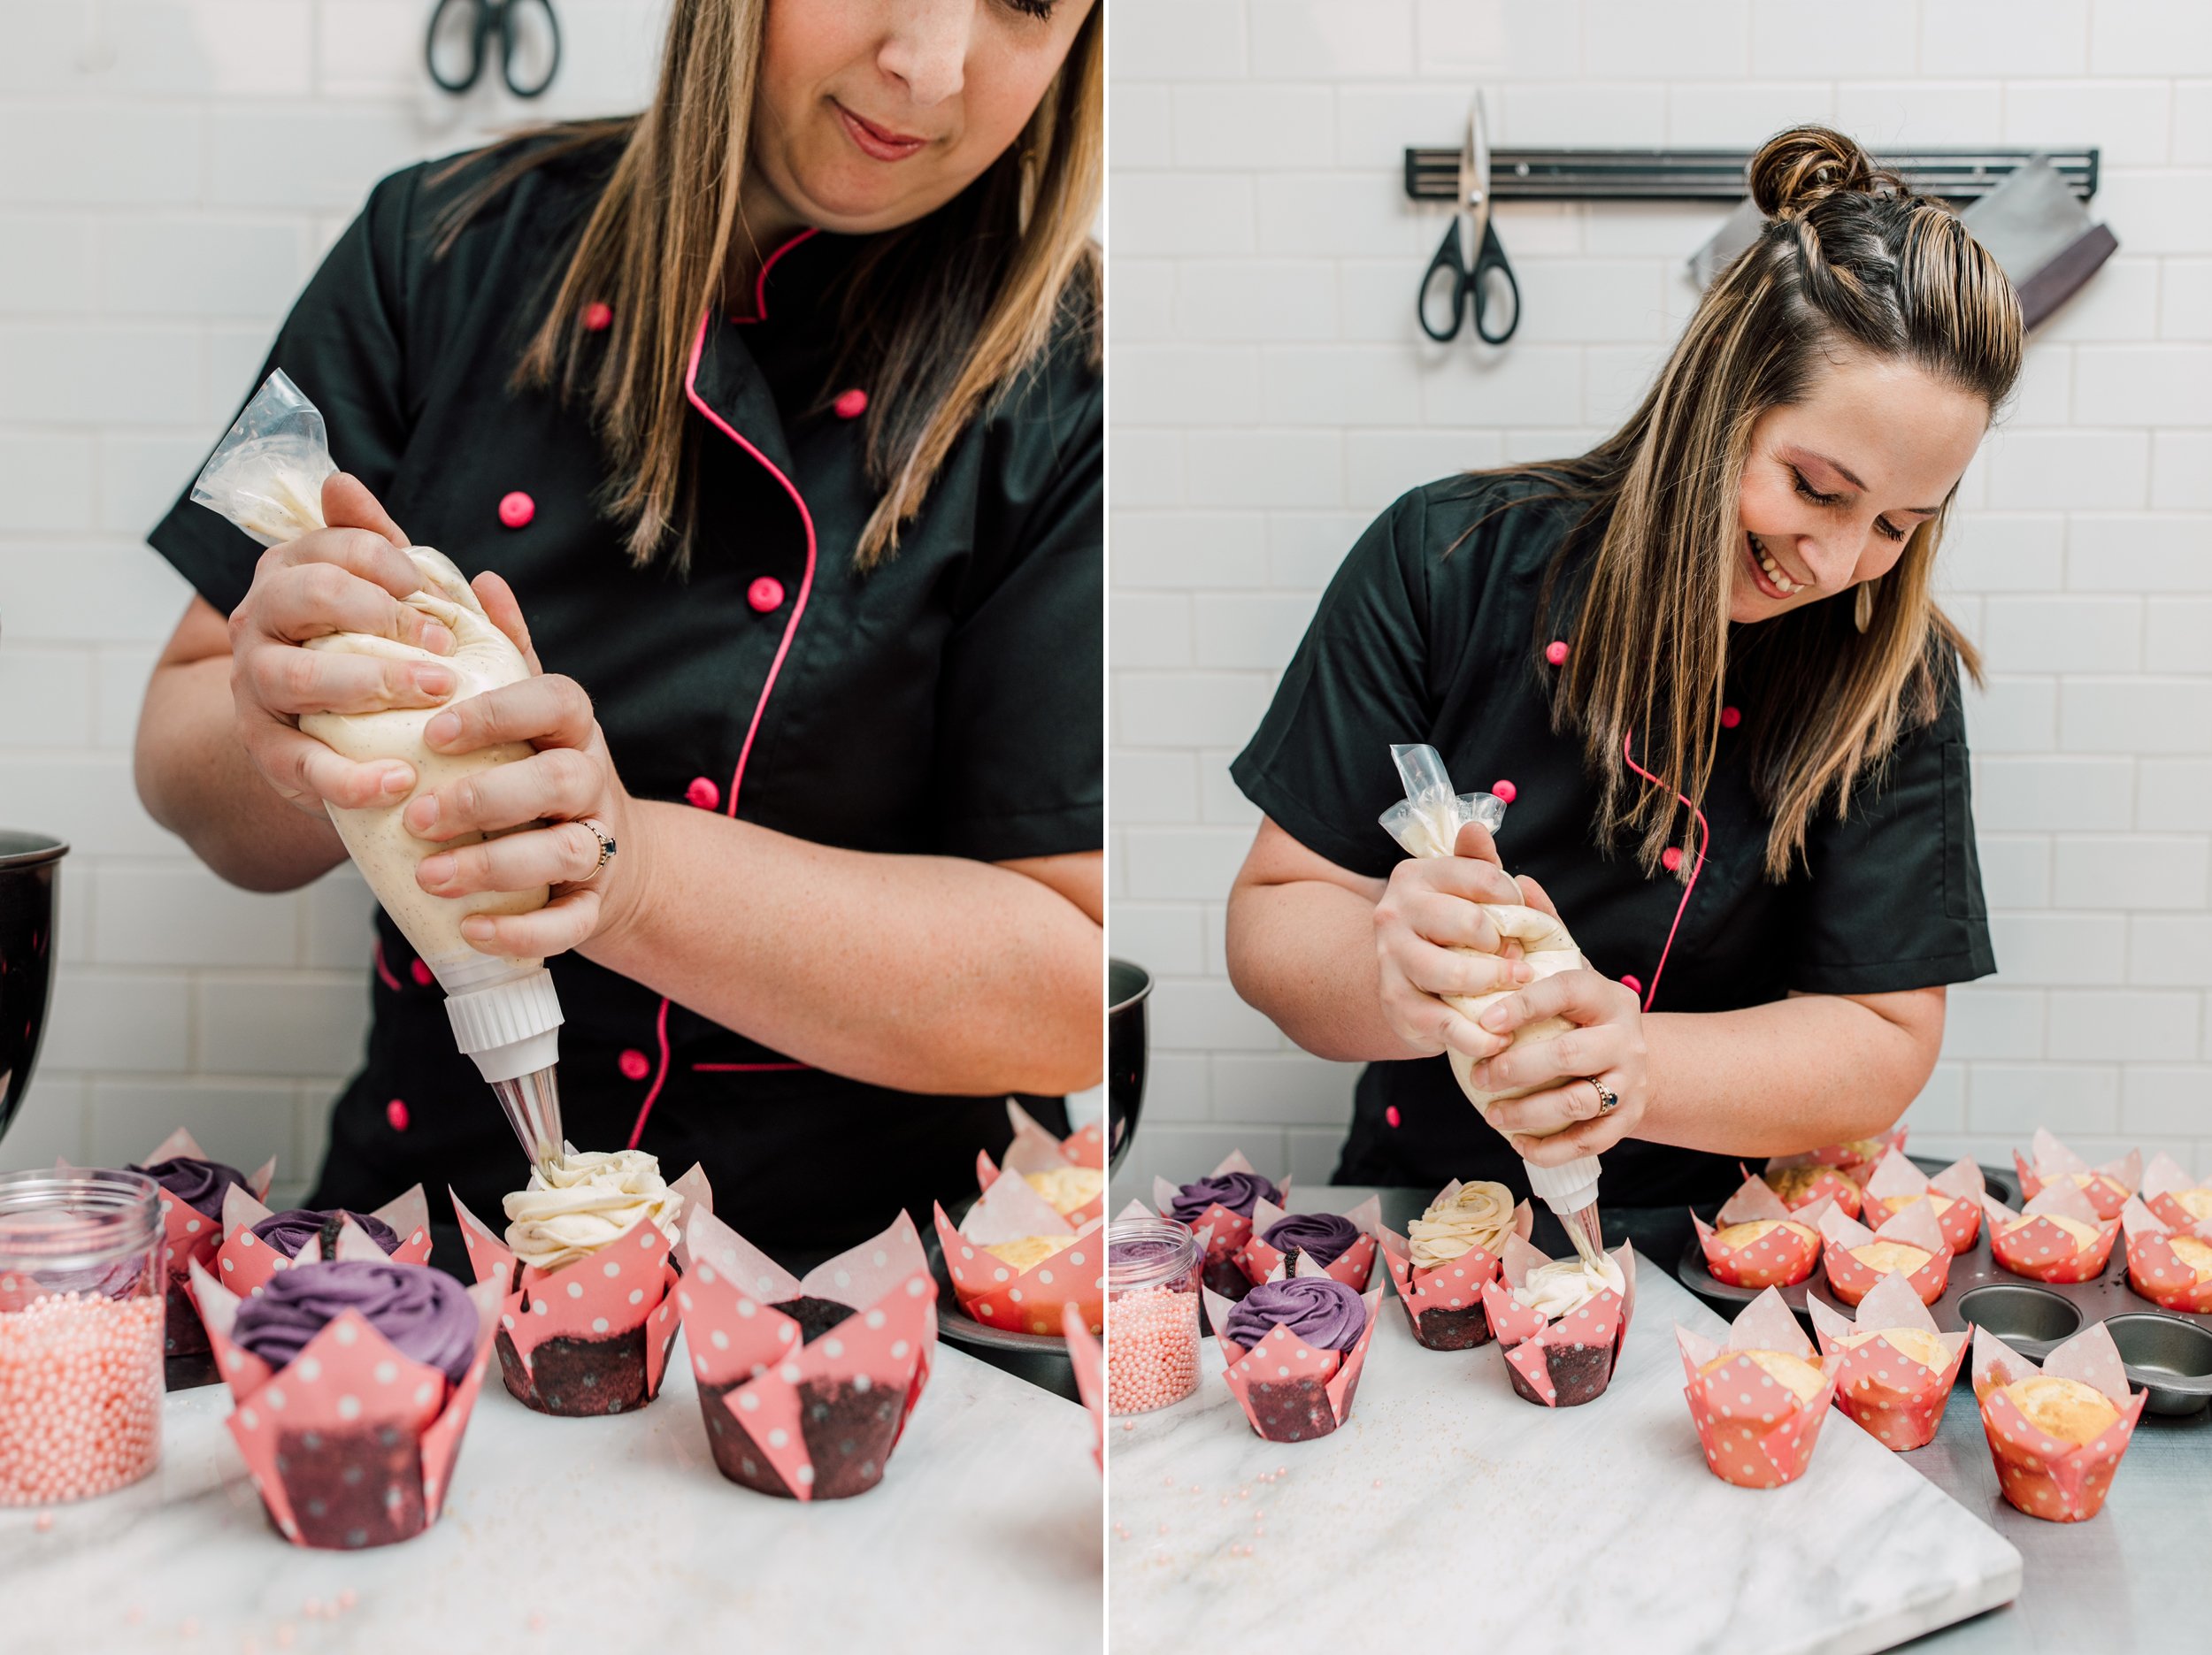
[760, 282]
[384, 971]
[783, 648]
[1628, 744]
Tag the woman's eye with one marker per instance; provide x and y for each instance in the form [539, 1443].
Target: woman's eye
[1039, 8]
[1809, 491]
[1887, 530]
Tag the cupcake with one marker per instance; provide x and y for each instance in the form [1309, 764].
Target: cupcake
[1954, 1193]
[1758, 1400]
[1802, 1183]
[353, 1380]
[1757, 1241]
[2174, 1198]
[1219, 1208]
[2057, 1433]
[256, 1242]
[192, 1190]
[1341, 1245]
[585, 1267]
[1910, 1244]
[1068, 1173]
[2049, 1162]
[805, 1383]
[2057, 1238]
[1894, 1370]
[2169, 1265]
[1016, 1264]
[1560, 1323]
[1852, 1161]
[1439, 1264]
[1295, 1349]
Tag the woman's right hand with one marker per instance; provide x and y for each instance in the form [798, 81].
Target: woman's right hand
[1430, 910]
[348, 578]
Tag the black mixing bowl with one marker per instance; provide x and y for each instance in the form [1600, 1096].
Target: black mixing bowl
[30, 863]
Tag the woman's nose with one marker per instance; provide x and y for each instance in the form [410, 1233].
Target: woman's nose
[1832, 560]
[928, 47]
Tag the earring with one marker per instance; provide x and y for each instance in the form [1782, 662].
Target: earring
[1862, 606]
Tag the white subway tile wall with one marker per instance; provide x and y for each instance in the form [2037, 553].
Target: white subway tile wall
[175, 169]
[1270, 393]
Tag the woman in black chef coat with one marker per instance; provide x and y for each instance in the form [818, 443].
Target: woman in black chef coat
[1705, 662]
[777, 411]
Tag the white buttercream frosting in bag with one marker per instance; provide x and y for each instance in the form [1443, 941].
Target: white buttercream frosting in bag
[581, 1201]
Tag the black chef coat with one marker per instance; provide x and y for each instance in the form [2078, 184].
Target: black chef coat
[948, 703]
[1429, 633]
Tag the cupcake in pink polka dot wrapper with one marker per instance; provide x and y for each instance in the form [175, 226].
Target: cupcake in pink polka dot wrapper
[352, 1381]
[1450, 1251]
[2057, 1433]
[1561, 1323]
[2168, 1264]
[1757, 1400]
[192, 1191]
[805, 1382]
[2175, 1199]
[1756, 1241]
[1294, 1349]
[2049, 1162]
[1219, 1209]
[1800, 1181]
[1895, 1371]
[1018, 1264]
[585, 1273]
[1339, 1245]
[256, 1242]
[1070, 1173]
[1909, 1243]
[1854, 1159]
[1955, 1193]
[2057, 1236]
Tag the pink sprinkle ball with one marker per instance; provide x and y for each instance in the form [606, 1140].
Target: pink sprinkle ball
[80, 1397]
[1152, 1354]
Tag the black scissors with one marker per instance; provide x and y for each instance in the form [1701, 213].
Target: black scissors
[1489, 280]
[493, 19]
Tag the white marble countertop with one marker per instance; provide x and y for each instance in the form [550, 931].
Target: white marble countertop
[1447, 1508]
[602, 1535]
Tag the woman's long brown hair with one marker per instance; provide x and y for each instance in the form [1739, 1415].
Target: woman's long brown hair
[942, 315]
[1848, 260]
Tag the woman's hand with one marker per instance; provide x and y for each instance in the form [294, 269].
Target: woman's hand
[1606, 1042]
[543, 797]
[349, 578]
[1429, 911]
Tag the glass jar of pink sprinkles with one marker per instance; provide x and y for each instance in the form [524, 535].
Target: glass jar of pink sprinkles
[81, 1286]
[1152, 1266]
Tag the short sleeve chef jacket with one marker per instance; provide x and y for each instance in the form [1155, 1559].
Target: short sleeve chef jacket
[947, 702]
[1429, 634]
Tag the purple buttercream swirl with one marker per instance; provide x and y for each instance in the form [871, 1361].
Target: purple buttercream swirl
[423, 1312]
[1322, 1311]
[1236, 1190]
[1322, 1237]
[288, 1231]
[198, 1183]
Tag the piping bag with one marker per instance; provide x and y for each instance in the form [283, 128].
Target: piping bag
[266, 476]
[1426, 823]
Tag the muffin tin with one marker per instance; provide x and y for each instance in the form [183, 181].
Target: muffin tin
[2167, 1353]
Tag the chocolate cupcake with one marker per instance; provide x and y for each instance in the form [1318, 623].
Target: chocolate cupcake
[1308, 1326]
[1221, 1203]
[192, 1191]
[848, 1425]
[1560, 1323]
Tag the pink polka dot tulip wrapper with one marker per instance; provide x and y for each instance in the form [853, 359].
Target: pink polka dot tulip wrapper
[2041, 1250]
[1895, 1178]
[1755, 1431]
[1088, 1358]
[2039, 1473]
[1828, 1184]
[1036, 1150]
[992, 1291]
[1290, 1391]
[350, 1444]
[2049, 1162]
[1850, 1280]
[2164, 1183]
[1854, 1160]
[187, 1238]
[592, 1336]
[1563, 1363]
[2155, 1271]
[1896, 1399]
[1779, 1258]
[1444, 1305]
[805, 1382]
[1353, 1267]
[244, 1262]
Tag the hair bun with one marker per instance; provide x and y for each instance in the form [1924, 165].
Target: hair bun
[1794, 169]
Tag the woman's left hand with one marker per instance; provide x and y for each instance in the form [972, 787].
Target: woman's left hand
[546, 796]
[1606, 1042]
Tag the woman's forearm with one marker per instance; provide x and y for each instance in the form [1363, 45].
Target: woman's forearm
[196, 780]
[931, 973]
[1304, 954]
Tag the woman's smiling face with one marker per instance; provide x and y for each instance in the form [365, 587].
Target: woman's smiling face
[1834, 484]
[872, 113]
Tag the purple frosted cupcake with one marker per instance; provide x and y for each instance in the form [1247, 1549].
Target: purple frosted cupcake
[1324, 1238]
[290, 1230]
[199, 1185]
[1320, 1312]
[1236, 1193]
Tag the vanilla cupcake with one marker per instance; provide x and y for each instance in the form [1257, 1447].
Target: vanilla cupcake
[1885, 1258]
[1736, 1237]
[2064, 1408]
[1800, 1378]
[2081, 1233]
[1921, 1345]
[1068, 1189]
[1024, 1250]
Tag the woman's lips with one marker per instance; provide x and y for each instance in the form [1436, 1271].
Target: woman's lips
[879, 143]
[1752, 552]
